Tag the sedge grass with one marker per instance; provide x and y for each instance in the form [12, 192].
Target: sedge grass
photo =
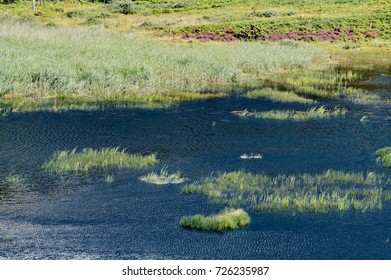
[312, 113]
[52, 67]
[227, 219]
[280, 96]
[89, 159]
[163, 178]
[384, 156]
[319, 193]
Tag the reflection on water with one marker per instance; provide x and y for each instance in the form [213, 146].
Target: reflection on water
[80, 216]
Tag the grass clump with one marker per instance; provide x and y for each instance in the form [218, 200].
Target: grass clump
[251, 156]
[13, 180]
[89, 159]
[276, 95]
[384, 156]
[163, 178]
[312, 113]
[319, 193]
[227, 219]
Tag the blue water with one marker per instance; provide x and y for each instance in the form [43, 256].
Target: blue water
[80, 216]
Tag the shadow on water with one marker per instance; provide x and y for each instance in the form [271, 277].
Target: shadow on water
[81, 216]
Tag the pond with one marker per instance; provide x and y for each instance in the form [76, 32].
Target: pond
[81, 216]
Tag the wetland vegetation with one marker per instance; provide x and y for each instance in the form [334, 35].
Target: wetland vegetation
[92, 55]
[312, 113]
[228, 219]
[319, 193]
[163, 177]
[89, 159]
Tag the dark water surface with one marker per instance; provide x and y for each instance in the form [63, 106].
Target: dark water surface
[83, 217]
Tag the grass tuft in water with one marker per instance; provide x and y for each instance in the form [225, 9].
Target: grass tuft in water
[276, 95]
[163, 178]
[89, 159]
[319, 193]
[227, 219]
[384, 156]
[13, 180]
[312, 113]
[251, 156]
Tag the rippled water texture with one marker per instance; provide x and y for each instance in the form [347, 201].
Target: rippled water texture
[82, 217]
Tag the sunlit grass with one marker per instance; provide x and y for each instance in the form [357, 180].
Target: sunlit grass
[319, 193]
[251, 156]
[276, 95]
[312, 113]
[164, 177]
[90, 66]
[384, 155]
[227, 219]
[13, 180]
[89, 159]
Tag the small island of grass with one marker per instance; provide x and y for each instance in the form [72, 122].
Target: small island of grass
[163, 178]
[90, 159]
[227, 219]
[384, 155]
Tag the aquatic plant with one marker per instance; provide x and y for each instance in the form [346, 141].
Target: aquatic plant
[312, 113]
[277, 95]
[13, 180]
[109, 179]
[251, 156]
[384, 156]
[164, 177]
[228, 219]
[89, 159]
[319, 193]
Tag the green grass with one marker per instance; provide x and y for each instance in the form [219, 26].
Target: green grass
[163, 178]
[384, 155]
[312, 113]
[319, 193]
[14, 180]
[89, 159]
[227, 219]
[277, 95]
[61, 67]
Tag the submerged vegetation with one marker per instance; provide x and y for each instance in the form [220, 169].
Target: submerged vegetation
[320, 193]
[163, 178]
[312, 113]
[89, 159]
[384, 155]
[228, 219]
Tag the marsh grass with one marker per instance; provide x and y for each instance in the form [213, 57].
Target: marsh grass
[109, 179]
[164, 177]
[277, 95]
[89, 159]
[62, 67]
[312, 113]
[227, 219]
[384, 156]
[251, 156]
[14, 180]
[319, 193]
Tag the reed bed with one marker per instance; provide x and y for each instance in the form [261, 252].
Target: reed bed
[90, 65]
[163, 177]
[312, 113]
[228, 219]
[277, 95]
[319, 193]
[384, 156]
[89, 159]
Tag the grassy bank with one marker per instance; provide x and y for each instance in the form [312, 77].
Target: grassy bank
[319, 193]
[227, 219]
[51, 67]
[89, 159]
